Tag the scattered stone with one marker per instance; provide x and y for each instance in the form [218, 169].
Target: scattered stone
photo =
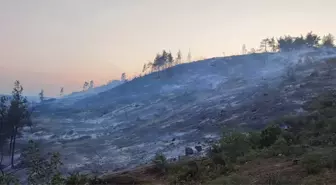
[295, 161]
[198, 148]
[71, 132]
[189, 151]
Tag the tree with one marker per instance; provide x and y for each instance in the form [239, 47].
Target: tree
[85, 86]
[3, 128]
[123, 77]
[170, 60]
[298, 42]
[328, 40]
[41, 95]
[263, 44]
[312, 39]
[244, 50]
[62, 91]
[18, 115]
[189, 56]
[285, 43]
[178, 59]
[144, 68]
[272, 44]
[252, 50]
[91, 84]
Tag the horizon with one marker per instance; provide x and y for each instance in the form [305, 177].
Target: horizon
[54, 44]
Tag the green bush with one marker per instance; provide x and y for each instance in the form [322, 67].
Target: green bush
[254, 139]
[269, 135]
[313, 163]
[160, 162]
[42, 170]
[6, 179]
[313, 180]
[280, 147]
[276, 178]
[233, 179]
[77, 179]
[234, 145]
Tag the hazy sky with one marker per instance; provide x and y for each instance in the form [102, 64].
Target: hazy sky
[53, 43]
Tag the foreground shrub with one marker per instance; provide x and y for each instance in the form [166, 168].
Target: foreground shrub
[276, 178]
[42, 170]
[313, 180]
[313, 163]
[6, 179]
[77, 179]
[269, 135]
[233, 179]
[160, 162]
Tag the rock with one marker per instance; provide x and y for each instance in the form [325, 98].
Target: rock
[295, 161]
[198, 148]
[173, 139]
[189, 151]
[71, 132]
[84, 137]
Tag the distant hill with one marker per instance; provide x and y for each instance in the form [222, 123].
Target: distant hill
[183, 106]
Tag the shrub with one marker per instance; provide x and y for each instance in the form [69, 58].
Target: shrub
[234, 145]
[254, 139]
[77, 179]
[269, 135]
[313, 180]
[280, 147]
[233, 179]
[160, 162]
[6, 179]
[312, 163]
[42, 170]
[276, 178]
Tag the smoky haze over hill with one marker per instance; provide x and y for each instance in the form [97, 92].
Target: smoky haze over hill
[183, 106]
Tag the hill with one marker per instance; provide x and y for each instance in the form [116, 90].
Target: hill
[185, 106]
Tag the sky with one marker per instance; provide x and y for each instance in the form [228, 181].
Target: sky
[49, 44]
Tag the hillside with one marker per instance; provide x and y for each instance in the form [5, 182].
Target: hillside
[185, 106]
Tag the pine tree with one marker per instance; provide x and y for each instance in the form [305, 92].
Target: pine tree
[189, 56]
[328, 40]
[18, 115]
[85, 86]
[272, 44]
[263, 44]
[62, 91]
[312, 39]
[178, 59]
[41, 95]
[244, 50]
[91, 84]
[123, 77]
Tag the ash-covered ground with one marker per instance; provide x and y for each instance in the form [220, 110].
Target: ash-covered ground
[185, 106]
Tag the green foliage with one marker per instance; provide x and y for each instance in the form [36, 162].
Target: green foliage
[276, 178]
[328, 40]
[313, 180]
[233, 179]
[280, 147]
[77, 179]
[42, 170]
[254, 140]
[269, 135]
[312, 163]
[234, 145]
[6, 179]
[160, 162]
